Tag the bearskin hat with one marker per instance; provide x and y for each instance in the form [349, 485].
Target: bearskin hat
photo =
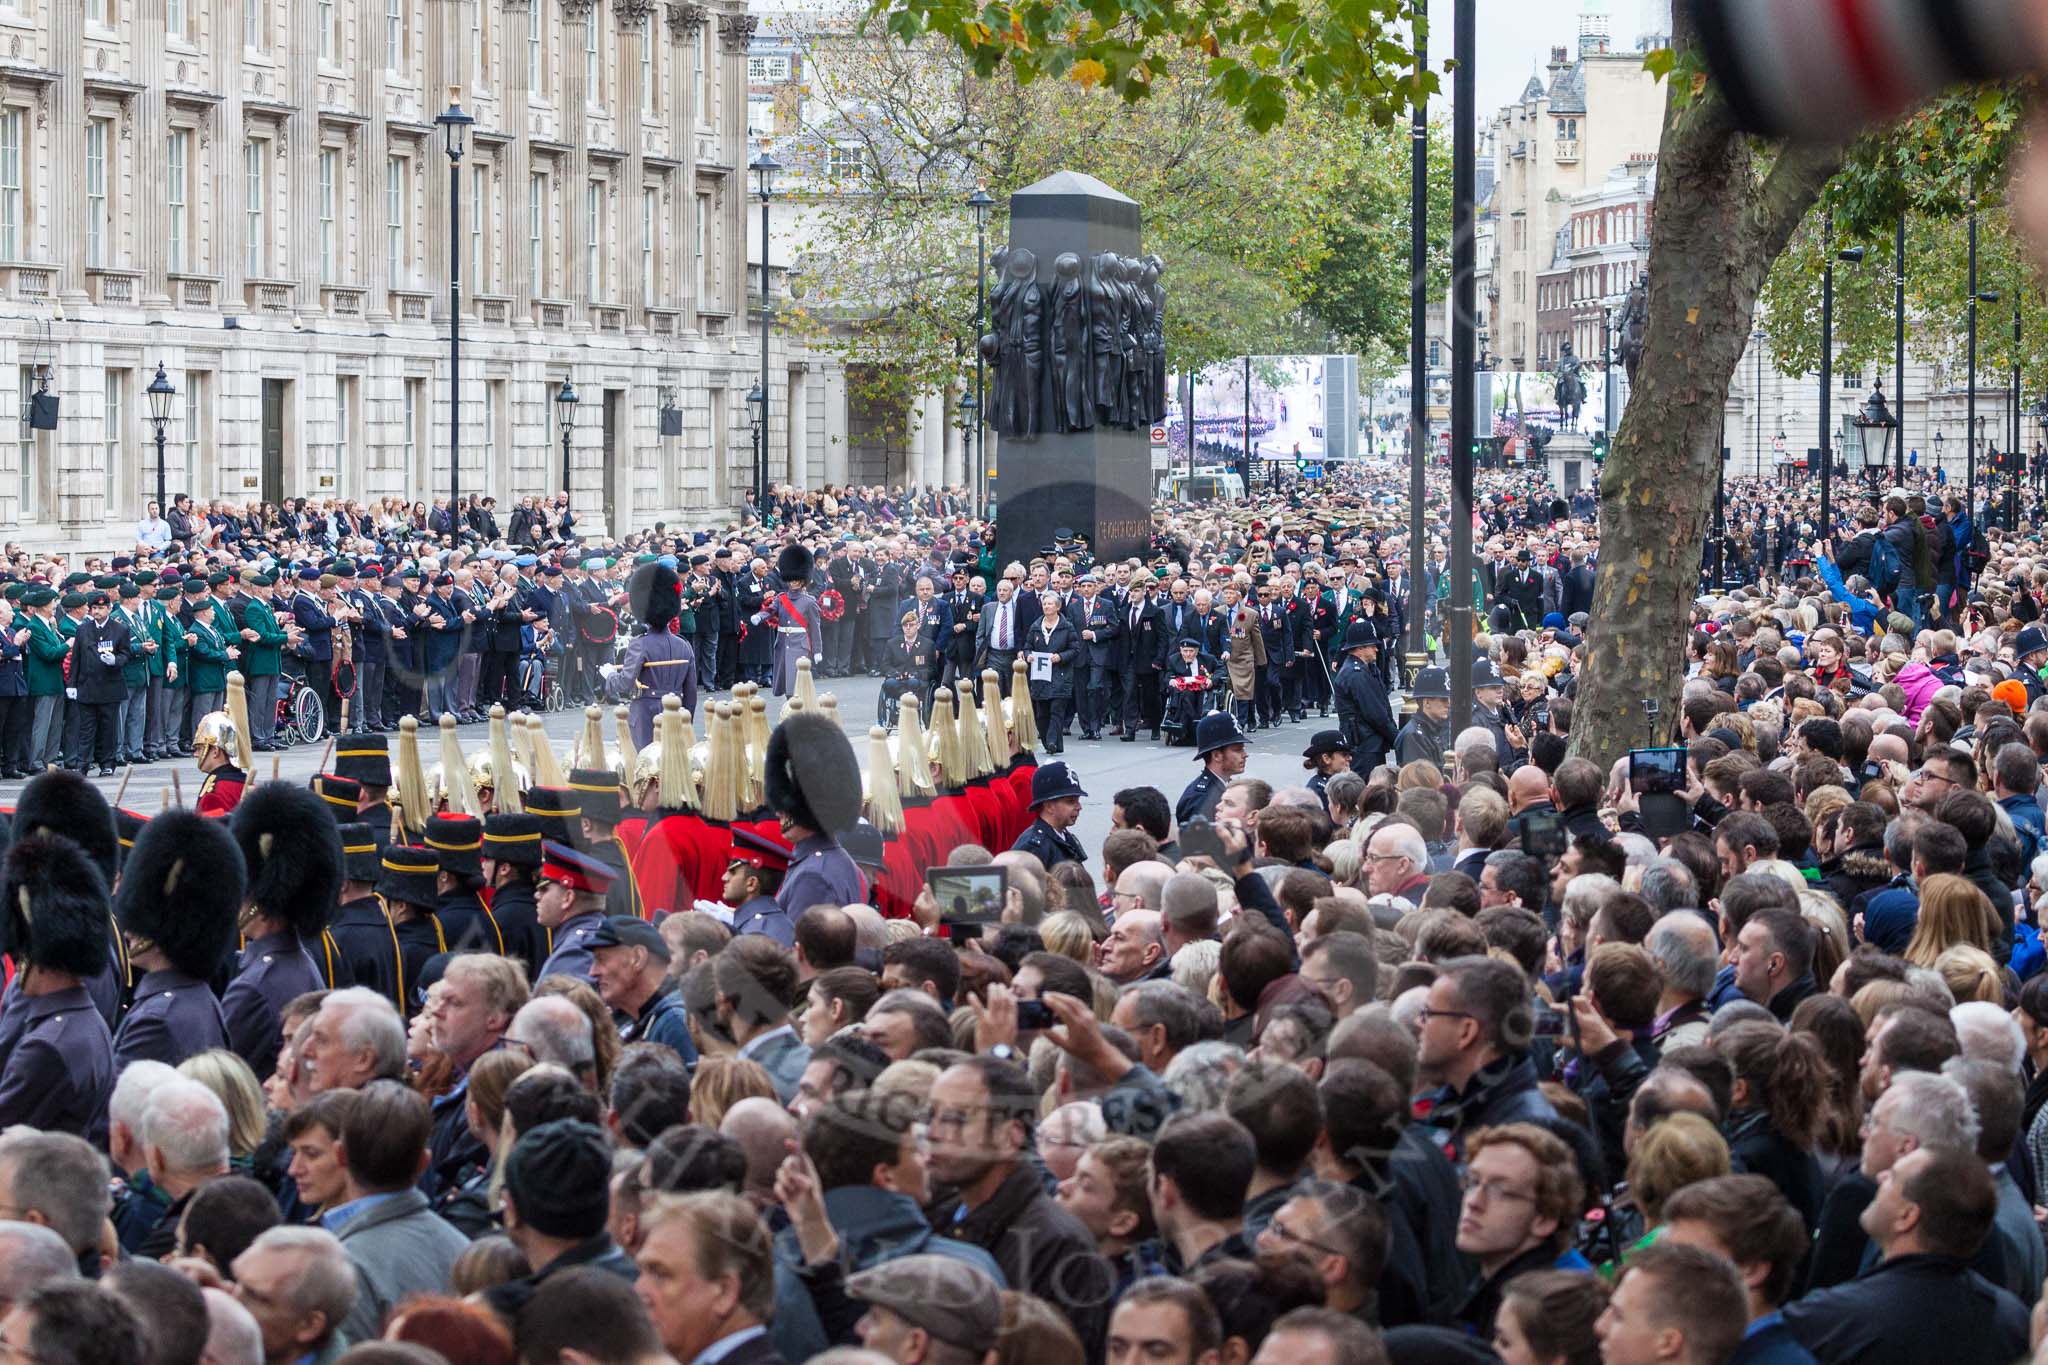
[656, 595]
[812, 775]
[291, 847]
[62, 802]
[794, 565]
[181, 888]
[53, 905]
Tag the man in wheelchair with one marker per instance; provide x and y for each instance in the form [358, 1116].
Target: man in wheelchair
[1190, 676]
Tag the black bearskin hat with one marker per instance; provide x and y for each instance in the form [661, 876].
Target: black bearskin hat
[794, 565]
[181, 888]
[291, 847]
[656, 595]
[53, 905]
[812, 775]
[62, 802]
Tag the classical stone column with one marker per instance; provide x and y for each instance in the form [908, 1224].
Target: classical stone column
[932, 468]
[297, 161]
[372, 148]
[152, 216]
[630, 118]
[735, 34]
[67, 152]
[837, 455]
[517, 159]
[575, 131]
[956, 455]
[684, 20]
[797, 410]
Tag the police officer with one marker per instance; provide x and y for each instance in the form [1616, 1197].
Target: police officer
[292, 850]
[1220, 748]
[1362, 708]
[1055, 804]
[1427, 735]
[181, 887]
[1327, 754]
[571, 892]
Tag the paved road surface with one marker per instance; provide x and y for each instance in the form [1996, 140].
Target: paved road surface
[1104, 767]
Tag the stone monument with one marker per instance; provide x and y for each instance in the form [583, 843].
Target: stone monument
[1076, 346]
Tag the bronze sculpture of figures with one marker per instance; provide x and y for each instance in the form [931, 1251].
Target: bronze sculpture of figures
[1068, 348]
[1015, 348]
[1085, 348]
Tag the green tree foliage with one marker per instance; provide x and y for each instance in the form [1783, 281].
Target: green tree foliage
[1261, 57]
[1932, 166]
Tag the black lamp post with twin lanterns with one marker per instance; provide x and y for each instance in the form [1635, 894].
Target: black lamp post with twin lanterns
[453, 123]
[565, 417]
[161, 395]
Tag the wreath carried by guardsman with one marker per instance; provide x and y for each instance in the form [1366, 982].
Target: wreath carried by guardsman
[831, 604]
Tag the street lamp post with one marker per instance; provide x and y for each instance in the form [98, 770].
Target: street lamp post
[1464, 333]
[454, 122]
[969, 418]
[1875, 425]
[1418, 340]
[1852, 255]
[764, 168]
[980, 203]
[757, 421]
[1899, 352]
[565, 417]
[1970, 413]
[1756, 346]
[160, 395]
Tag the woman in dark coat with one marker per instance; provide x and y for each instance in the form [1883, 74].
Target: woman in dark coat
[1050, 648]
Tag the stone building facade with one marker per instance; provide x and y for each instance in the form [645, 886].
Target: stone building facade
[254, 194]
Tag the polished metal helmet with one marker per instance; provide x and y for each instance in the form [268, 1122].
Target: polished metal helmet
[646, 769]
[700, 757]
[437, 788]
[216, 730]
[483, 775]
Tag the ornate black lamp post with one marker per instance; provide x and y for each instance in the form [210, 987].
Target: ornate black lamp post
[453, 123]
[565, 417]
[160, 395]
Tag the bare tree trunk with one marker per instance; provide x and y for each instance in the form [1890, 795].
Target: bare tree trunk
[1719, 225]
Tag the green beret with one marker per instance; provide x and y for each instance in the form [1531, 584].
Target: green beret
[219, 577]
[130, 590]
[14, 592]
[76, 579]
[167, 593]
[39, 597]
[107, 582]
[145, 577]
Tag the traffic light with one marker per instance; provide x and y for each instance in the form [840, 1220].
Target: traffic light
[1599, 447]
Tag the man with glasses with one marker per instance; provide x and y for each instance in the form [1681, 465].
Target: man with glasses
[1475, 1028]
[983, 1112]
[1342, 1233]
[1523, 1197]
[73, 1324]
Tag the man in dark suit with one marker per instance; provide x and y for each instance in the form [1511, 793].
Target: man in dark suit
[963, 606]
[99, 655]
[1099, 630]
[1002, 626]
[1578, 586]
[1142, 649]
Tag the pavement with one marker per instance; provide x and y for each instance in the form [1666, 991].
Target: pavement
[1104, 766]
